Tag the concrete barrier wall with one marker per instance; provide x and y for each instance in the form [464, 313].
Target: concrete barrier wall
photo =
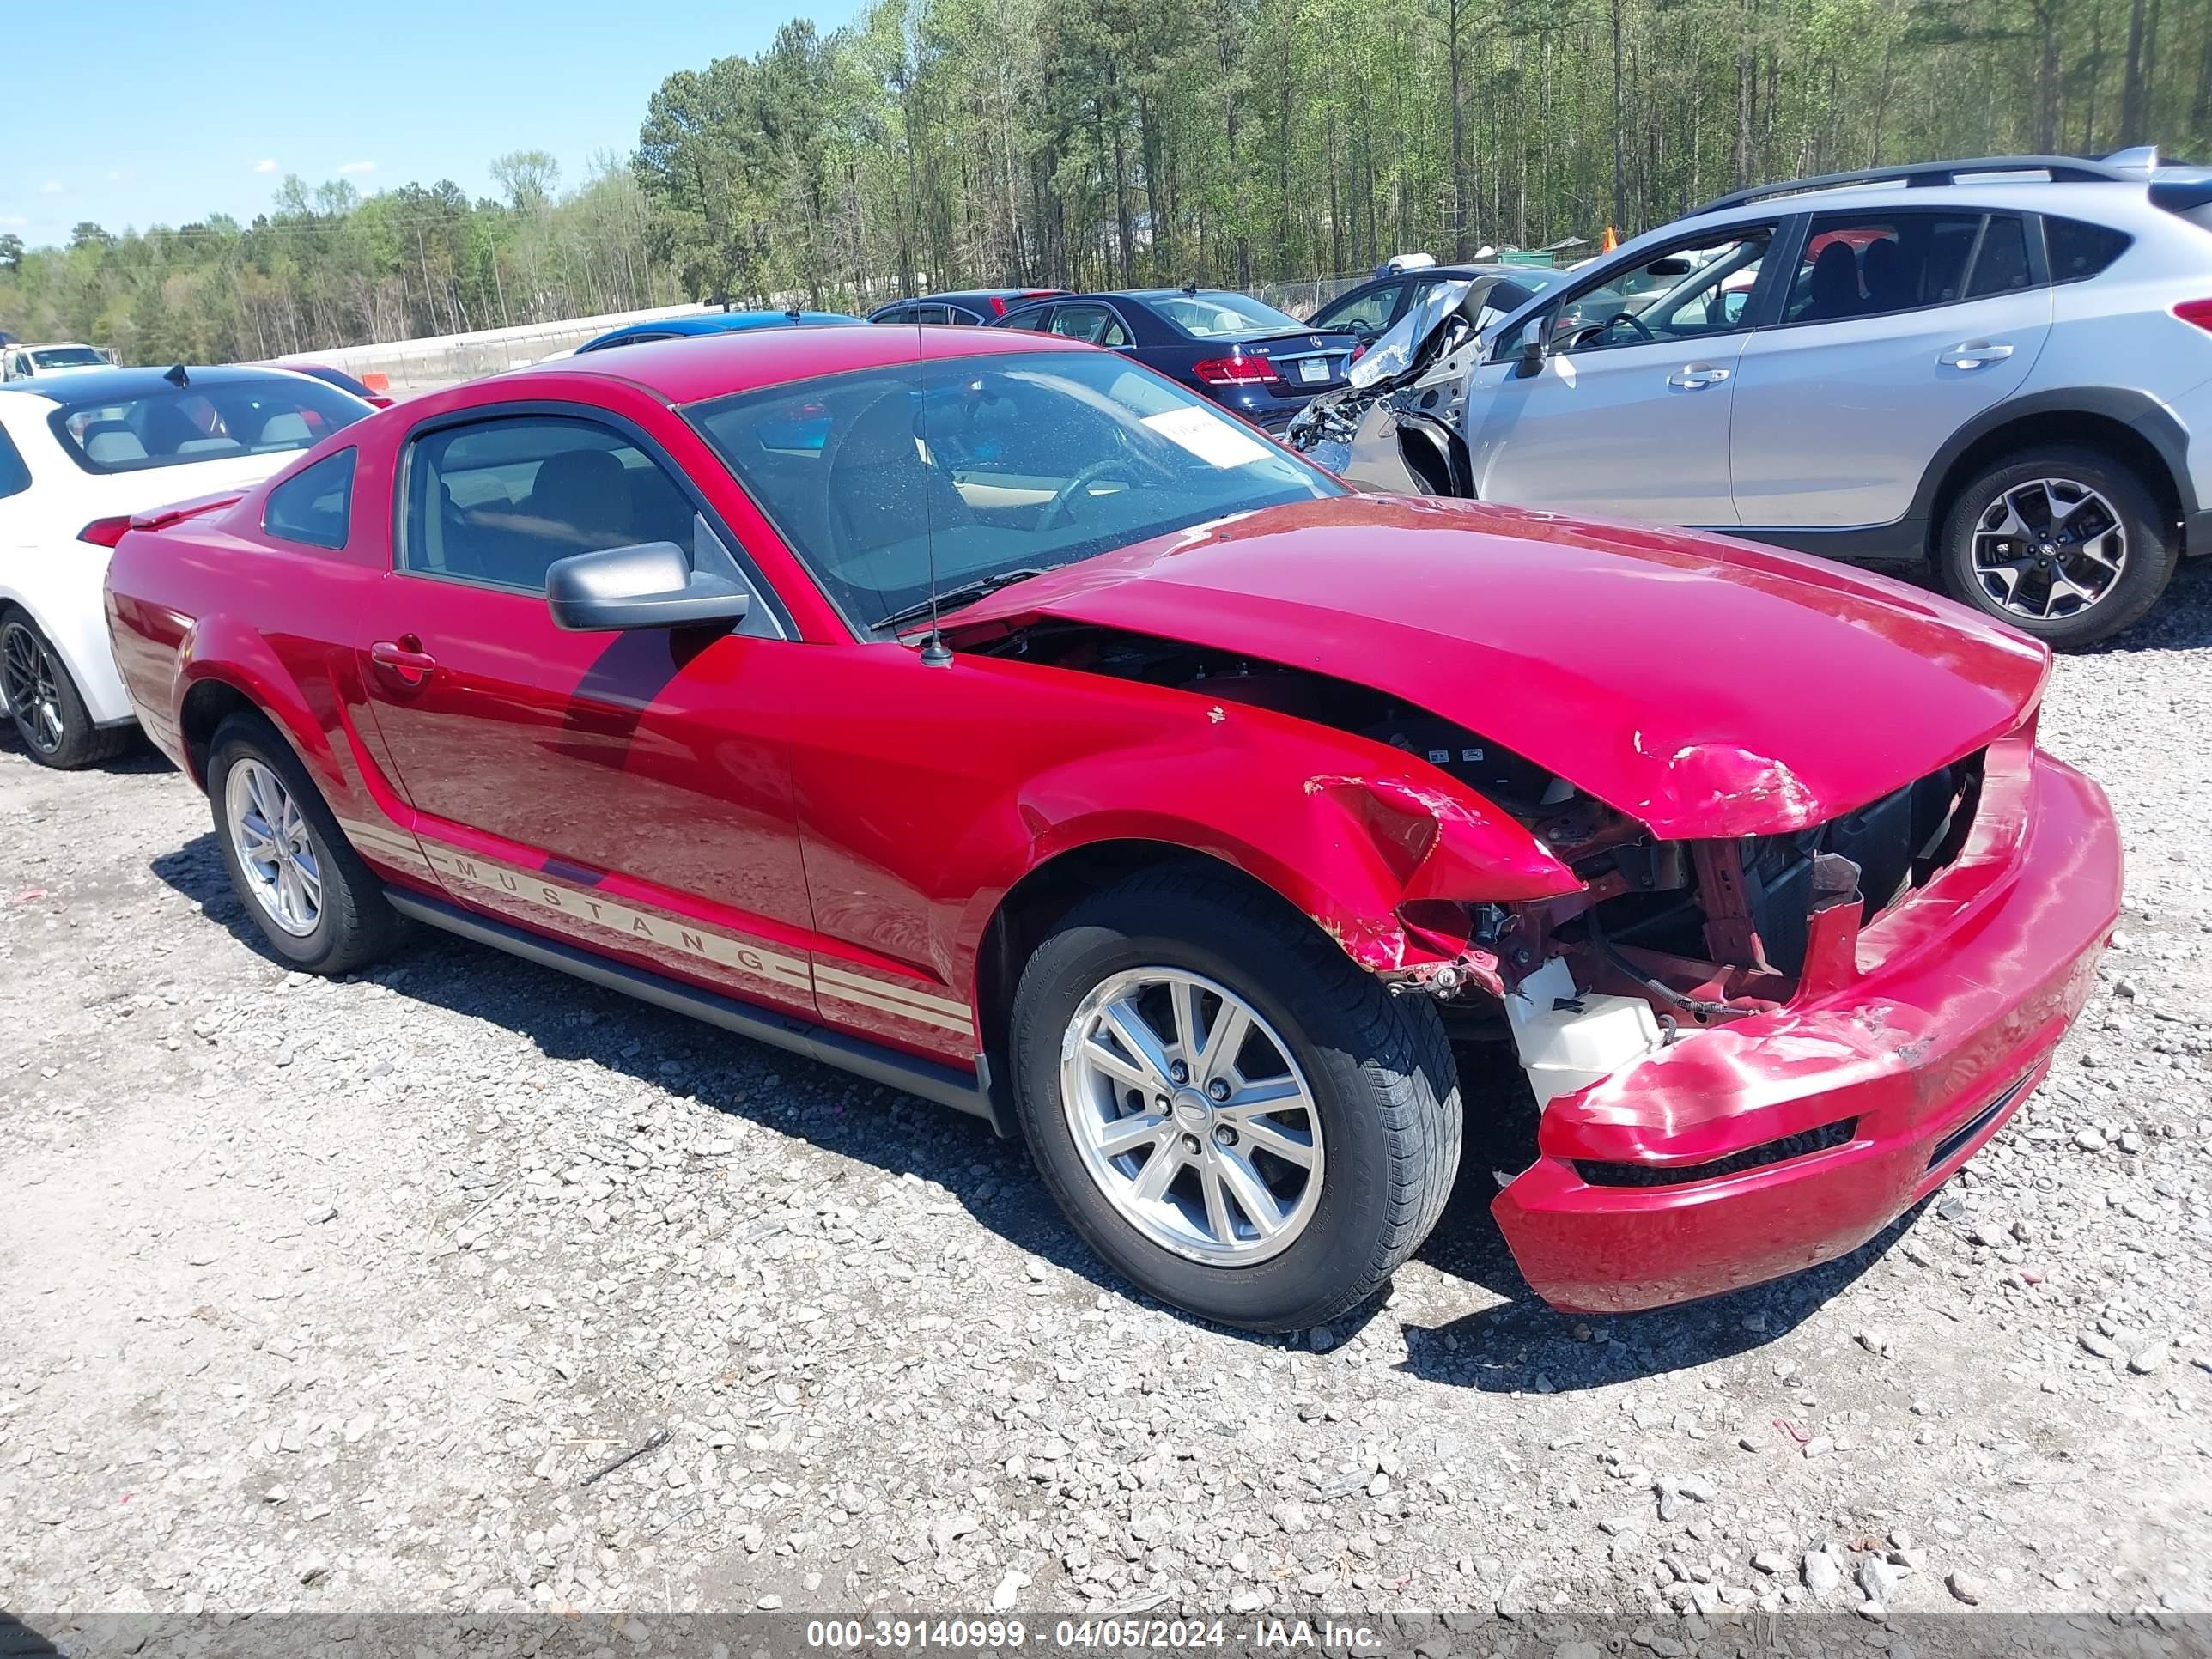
[425, 365]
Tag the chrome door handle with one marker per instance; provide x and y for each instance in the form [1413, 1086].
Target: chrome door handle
[1695, 377]
[404, 658]
[1972, 354]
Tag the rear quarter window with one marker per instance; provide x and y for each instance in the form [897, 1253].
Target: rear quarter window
[15, 476]
[314, 507]
[2078, 251]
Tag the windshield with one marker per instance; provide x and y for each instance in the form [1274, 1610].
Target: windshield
[69, 357]
[1015, 462]
[178, 425]
[1223, 316]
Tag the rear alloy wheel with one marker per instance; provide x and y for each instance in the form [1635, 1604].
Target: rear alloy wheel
[2062, 543]
[50, 717]
[1230, 1111]
[318, 906]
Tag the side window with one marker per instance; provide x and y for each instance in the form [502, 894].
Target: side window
[1688, 293]
[315, 505]
[930, 314]
[2001, 261]
[894, 314]
[1089, 322]
[962, 315]
[1370, 313]
[498, 501]
[15, 476]
[2079, 252]
[1871, 265]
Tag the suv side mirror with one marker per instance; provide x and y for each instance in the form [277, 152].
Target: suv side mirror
[648, 585]
[1531, 346]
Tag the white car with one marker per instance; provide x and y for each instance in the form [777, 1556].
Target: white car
[29, 363]
[79, 454]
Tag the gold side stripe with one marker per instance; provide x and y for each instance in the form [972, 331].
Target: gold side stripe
[684, 938]
[897, 992]
[829, 993]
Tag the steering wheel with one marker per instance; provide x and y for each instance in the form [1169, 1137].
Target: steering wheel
[1057, 508]
[1632, 320]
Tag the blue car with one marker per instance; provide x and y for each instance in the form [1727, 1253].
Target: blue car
[1250, 358]
[709, 322]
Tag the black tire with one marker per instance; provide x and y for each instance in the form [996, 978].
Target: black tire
[356, 925]
[79, 742]
[1380, 1072]
[2152, 547]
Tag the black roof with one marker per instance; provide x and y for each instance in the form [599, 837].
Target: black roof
[69, 387]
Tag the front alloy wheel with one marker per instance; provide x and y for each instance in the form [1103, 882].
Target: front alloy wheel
[2062, 541]
[1192, 1117]
[1231, 1112]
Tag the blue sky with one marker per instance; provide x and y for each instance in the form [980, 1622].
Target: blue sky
[160, 112]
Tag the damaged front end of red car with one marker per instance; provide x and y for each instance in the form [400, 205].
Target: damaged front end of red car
[1775, 962]
[1750, 1054]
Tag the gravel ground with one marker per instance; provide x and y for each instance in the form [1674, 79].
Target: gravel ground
[352, 1296]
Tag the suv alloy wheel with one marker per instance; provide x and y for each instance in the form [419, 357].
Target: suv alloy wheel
[2063, 542]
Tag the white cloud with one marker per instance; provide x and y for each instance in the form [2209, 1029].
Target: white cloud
[266, 164]
[51, 187]
[115, 175]
[12, 221]
[358, 167]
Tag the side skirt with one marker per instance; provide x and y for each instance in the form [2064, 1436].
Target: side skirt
[963, 1091]
[1905, 542]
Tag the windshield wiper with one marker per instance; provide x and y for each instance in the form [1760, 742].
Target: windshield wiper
[963, 593]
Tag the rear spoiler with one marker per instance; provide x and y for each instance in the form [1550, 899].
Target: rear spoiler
[161, 518]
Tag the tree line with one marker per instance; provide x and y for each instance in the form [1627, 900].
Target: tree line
[938, 144]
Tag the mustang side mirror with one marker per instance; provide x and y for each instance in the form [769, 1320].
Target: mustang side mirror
[1532, 347]
[649, 585]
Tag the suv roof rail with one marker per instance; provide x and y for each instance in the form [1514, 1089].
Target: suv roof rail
[2062, 169]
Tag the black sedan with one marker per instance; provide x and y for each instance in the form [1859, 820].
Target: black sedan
[1263, 363]
[1371, 308]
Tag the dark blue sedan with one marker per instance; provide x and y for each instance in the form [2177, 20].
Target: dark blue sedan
[708, 322]
[1263, 363]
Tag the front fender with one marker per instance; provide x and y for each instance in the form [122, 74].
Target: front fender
[1348, 831]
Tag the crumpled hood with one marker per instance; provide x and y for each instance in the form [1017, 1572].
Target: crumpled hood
[1704, 687]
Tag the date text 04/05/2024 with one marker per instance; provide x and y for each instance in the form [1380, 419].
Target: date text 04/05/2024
[1106, 1635]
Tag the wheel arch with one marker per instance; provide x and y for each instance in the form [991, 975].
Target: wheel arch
[224, 668]
[207, 702]
[1027, 912]
[2130, 426]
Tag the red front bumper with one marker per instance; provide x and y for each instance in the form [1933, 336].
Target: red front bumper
[1960, 996]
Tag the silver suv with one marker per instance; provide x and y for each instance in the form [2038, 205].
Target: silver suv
[2003, 366]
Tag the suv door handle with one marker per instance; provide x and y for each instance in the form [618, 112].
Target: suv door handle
[1695, 377]
[1972, 354]
[404, 657]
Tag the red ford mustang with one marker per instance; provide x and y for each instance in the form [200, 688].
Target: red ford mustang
[1221, 802]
